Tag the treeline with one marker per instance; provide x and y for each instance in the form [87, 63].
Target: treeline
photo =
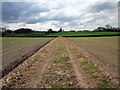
[52, 31]
[107, 28]
[8, 32]
[22, 30]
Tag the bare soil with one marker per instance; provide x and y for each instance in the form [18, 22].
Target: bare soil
[59, 64]
[102, 51]
[15, 50]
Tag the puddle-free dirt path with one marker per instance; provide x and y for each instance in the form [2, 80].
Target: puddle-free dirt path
[59, 73]
[82, 77]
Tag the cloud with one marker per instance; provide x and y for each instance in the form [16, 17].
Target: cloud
[101, 6]
[67, 14]
[19, 11]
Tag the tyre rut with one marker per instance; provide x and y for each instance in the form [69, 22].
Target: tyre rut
[80, 74]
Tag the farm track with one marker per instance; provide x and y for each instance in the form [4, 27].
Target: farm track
[82, 77]
[57, 65]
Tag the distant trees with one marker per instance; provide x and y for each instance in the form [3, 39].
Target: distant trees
[23, 30]
[107, 28]
[61, 30]
[51, 31]
[72, 30]
[100, 29]
[6, 31]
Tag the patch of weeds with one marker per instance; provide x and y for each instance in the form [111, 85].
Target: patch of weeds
[84, 63]
[46, 72]
[59, 86]
[79, 55]
[100, 77]
[59, 50]
[90, 66]
[103, 82]
[103, 85]
[57, 60]
[94, 71]
[61, 60]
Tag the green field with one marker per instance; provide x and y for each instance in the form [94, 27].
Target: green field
[60, 34]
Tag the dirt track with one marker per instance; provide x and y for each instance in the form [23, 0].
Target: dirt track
[59, 64]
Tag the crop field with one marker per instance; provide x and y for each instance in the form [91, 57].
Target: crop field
[63, 63]
[16, 48]
[60, 34]
[81, 33]
[103, 49]
[60, 45]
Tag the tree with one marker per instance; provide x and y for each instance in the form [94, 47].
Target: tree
[6, 31]
[50, 30]
[60, 30]
[108, 27]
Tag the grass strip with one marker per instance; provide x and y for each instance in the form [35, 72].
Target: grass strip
[61, 60]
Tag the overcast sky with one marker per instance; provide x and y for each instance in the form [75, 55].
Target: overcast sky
[55, 14]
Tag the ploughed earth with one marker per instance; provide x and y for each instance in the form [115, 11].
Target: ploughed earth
[59, 64]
